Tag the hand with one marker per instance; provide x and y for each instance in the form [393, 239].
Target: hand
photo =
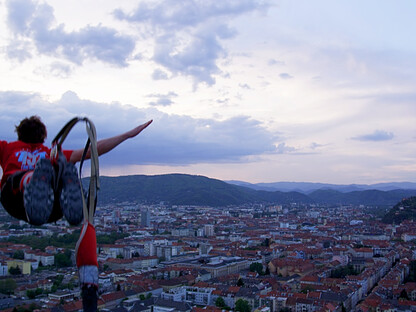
[133, 132]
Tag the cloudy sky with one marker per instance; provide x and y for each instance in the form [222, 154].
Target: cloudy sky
[251, 90]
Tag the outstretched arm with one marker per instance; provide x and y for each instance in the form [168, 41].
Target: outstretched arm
[106, 145]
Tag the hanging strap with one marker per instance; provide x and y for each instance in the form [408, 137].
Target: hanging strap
[86, 247]
[91, 146]
[61, 136]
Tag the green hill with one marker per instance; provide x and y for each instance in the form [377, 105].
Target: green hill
[404, 210]
[183, 189]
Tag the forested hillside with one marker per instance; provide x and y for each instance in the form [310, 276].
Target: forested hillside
[404, 210]
[182, 189]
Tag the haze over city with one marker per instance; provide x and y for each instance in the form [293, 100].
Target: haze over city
[258, 91]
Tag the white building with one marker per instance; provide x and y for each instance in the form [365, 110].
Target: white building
[3, 269]
[208, 230]
[145, 217]
[41, 257]
[407, 237]
[193, 295]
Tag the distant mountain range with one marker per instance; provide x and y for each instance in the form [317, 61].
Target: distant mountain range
[308, 187]
[182, 189]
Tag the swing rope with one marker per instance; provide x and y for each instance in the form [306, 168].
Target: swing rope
[91, 146]
[86, 247]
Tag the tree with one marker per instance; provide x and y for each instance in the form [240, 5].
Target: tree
[220, 303]
[256, 267]
[267, 272]
[65, 241]
[38, 291]
[70, 285]
[412, 273]
[57, 283]
[142, 297]
[403, 294]
[15, 270]
[343, 271]
[30, 294]
[63, 260]
[18, 254]
[7, 286]
[242, 306]
[32, 307]
[307, 289]
[266, 242]
[240, 282]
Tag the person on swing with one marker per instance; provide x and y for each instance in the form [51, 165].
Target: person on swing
[27, 185]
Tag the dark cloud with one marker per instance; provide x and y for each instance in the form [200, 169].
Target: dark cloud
[159, 75]
[378, 135]
[30, 20]
[285, 76]
[18, 50]
[170, 140]
[272, 62]
[187, 34]
[181, 14]
[282, 148]
[162, 102]
[244, 86]
[197, 59]
[315, 145]
[186, 140]
[56, 69]
[162, 99]
[61, 70]
[19, 15]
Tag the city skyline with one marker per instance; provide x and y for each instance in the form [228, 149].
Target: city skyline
[256, 91]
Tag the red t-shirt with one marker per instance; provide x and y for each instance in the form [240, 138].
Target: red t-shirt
[20, 156]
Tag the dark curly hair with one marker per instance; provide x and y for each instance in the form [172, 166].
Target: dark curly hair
[31, 130]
